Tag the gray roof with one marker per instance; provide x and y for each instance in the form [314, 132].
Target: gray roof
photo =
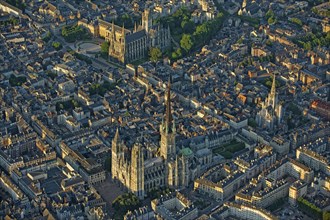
[135, 36]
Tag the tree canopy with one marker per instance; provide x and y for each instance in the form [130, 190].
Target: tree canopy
[57, 45]
[309, 208]
[105, 49]
[100, 89]
[186, 42]
[311, 40]
[71, 33]
[16, 81]
[155, 54]
[125, 202]
[187, 33]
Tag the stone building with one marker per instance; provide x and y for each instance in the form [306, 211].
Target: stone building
[130, 45]
[139, 172]
[174, 206]
[271, 112]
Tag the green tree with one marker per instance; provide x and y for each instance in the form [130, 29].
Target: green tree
[57, 45]
[155, 54]
[16, 81]
[177, 54]
[201, 30]
[270, 14]
[296, 21]
[271, 20]
[309, 208]
[157, 193]
[186, 42]
[125, 202]
[13, 21]
[71, 33]
[308, 46]
[326, 215]
[105, 48]
[269, 82]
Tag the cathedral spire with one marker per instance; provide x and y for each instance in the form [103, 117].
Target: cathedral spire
[273, 89]
[244, 4]
[168, 119]
[117, 136]
[123, 30]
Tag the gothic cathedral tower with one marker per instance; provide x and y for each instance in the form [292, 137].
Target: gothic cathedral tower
[115, 151]
[167, 130]
[146, 20]
[272, 97]
[137, 171]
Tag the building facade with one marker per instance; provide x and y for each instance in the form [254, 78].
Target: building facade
[313, 160]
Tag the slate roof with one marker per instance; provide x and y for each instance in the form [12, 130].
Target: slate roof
[135, 36]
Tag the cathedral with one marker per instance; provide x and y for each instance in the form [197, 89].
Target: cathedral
[174, 167]
[127, 46]
[271, 111]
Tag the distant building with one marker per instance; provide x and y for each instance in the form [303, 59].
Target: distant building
[271, 112]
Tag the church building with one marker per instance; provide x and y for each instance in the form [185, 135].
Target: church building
[271, 112]
[174, 167]
[131, 45]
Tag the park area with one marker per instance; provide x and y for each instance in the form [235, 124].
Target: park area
[228, 150]
[89, 47]
[72, 33]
